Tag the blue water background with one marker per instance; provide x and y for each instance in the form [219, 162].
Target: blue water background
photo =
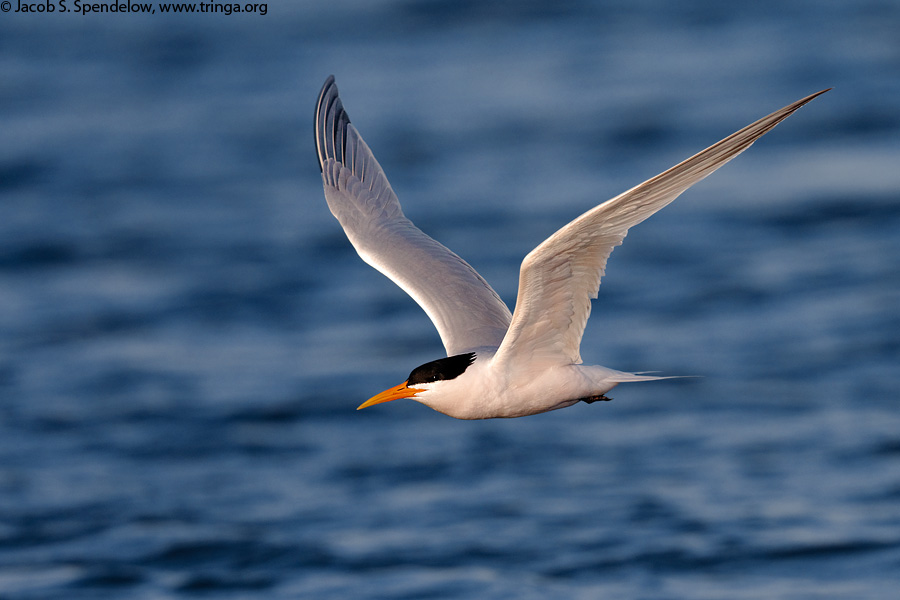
[185, 331]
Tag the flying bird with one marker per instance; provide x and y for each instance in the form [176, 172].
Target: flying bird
[499, 364]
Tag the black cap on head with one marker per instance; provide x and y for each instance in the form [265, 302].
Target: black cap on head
[441, 369]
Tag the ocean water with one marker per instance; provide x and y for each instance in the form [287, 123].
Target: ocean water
[185, 332]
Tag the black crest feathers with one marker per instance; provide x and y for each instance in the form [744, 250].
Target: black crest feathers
[441, 369]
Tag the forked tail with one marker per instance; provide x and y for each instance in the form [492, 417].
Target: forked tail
[623, 377]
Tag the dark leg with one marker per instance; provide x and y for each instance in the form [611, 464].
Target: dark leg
[598, 397]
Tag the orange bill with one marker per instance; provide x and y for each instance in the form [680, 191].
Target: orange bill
[394, 393]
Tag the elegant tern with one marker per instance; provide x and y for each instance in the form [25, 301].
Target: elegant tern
[499, 364]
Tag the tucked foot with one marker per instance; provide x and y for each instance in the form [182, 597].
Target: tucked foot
[597, 398]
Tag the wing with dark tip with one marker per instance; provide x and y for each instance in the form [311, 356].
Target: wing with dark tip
[466, 311]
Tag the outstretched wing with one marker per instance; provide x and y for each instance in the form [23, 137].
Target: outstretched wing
[466, 311]
[559, 278]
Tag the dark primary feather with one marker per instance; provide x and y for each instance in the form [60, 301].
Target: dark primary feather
[331, 118]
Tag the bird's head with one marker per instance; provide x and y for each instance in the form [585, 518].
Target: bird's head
[424, 379]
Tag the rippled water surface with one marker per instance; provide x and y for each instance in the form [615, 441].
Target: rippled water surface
[185, 331]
